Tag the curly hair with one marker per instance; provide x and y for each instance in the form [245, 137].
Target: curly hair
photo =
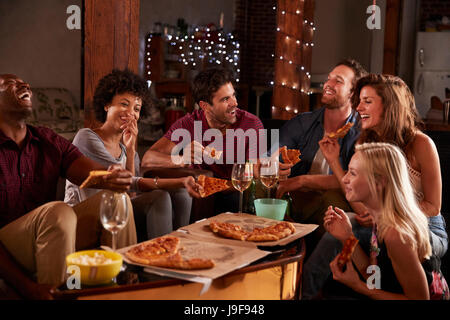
[400, 120]
[118, 82]
[207, 82]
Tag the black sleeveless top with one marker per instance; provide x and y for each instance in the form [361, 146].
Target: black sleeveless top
[388, 278]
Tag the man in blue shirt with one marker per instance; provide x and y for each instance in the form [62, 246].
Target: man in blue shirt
[312, 185]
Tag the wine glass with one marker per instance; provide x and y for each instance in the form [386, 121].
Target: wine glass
[241, 178]
[114, 213]
[269, 172]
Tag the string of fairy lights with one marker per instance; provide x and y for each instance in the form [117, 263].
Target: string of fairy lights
[206, 46]
[290, 61]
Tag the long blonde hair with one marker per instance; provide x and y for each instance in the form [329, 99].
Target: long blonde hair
[386, 164]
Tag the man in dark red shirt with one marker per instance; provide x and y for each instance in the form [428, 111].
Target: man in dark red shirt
[35, 230]
[214, 124]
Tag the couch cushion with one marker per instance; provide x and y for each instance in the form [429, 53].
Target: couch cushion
[56, 108]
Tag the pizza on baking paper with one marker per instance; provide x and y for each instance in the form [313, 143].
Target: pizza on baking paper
[274, 232]
[347, 251]
[165, 252]
[94, 178]
[291, 156]
[341, 132]
[211, 185]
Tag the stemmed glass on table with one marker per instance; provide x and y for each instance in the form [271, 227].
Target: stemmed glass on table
[269, 172]
[114, 213]
[241, 178]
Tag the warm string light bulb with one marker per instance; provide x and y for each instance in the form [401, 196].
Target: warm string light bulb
[193, 51]
[291, 62]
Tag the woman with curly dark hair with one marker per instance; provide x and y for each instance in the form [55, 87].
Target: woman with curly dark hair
[160, 205]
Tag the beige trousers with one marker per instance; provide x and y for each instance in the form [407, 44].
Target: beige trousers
[41, 239]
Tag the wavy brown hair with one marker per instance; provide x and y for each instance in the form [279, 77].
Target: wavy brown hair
[400, 120]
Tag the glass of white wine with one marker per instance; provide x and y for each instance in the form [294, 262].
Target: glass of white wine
[114, 213]
[241, 178]
[269, 172]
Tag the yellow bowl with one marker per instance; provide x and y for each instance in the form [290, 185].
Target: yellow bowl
[95, 274]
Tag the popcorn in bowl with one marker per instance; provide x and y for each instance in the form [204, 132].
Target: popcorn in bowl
[96, 266]
[95, 260]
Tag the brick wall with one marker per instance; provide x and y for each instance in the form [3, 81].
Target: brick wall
[432, 9]
[255, 24]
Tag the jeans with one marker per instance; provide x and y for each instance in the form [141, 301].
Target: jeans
[159, 212]
[317, 268]
[438, 235]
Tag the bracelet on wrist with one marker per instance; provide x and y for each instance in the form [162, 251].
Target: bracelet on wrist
[155, 180]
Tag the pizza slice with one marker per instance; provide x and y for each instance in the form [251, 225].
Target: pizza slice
[228, 230]
[291, 156]
[259, 235]
[274, 232]
[211, 185]
[94, 179]
[281, 229]
[347, 251]
[341, 132]
[176, 261]
[213, 152]
[162, 247]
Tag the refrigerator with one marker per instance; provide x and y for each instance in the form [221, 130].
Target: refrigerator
[431, 69]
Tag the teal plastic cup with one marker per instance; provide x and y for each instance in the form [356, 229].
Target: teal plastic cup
[271, 208]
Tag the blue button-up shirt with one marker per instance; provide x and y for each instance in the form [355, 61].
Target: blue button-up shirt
[304, 133]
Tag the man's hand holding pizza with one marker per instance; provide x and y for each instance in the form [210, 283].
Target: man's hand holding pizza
[119, 180]
[115, 178]
[330, 149]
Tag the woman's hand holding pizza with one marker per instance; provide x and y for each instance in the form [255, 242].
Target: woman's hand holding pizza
[349, 276]
[192, 187]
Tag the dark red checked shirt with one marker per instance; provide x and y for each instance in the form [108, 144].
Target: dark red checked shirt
[245, 121]
[29, 177]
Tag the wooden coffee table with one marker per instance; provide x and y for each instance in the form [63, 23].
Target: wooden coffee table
[276, 276]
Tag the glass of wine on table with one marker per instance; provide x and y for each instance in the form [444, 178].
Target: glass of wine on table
[269, 173]
[241, 178]
[114, 213]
